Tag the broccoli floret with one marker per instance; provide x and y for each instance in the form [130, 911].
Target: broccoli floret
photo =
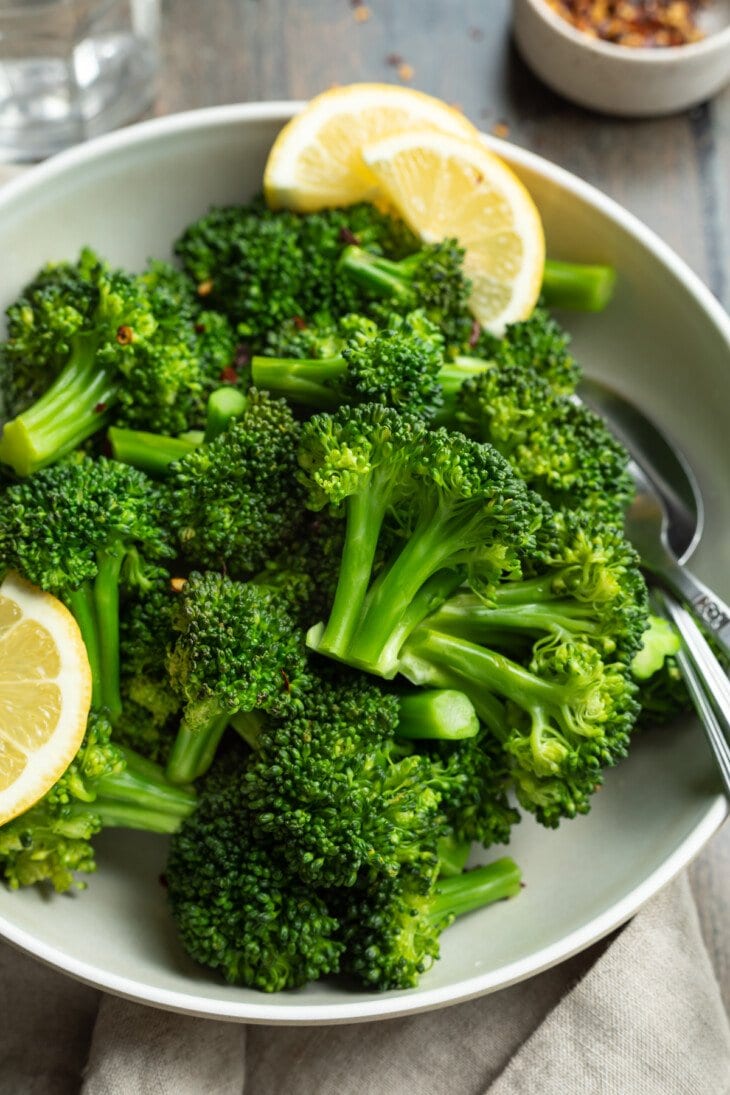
[70, 529]
[237, 649]
[110, 344]
[331, 788]
[585, 585]
[391, 930]
[561, 449]
[475, 805]
[562, 708]
[397, 365]
[235, 501]
[537, 343]
[456, 503]
[431, 278]
[263, 269]
[237, 909]
[105, 786]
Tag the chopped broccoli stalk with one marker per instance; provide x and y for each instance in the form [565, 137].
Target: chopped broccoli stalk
[224, 404]
[104, 786]
[439, 713]
[150, 452]
[660, 641]
[391, 932]
[452, 855]
[70, 529]
[585, 288]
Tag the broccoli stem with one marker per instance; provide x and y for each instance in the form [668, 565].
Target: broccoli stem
[195, 744]
[150, 452]
[578, 286]
[381, 276]
[439, 713]
[81, 603]
[469, 617]
[72, 409]
[224, 404]
[388, 603]
[452, 855]
[365, 513]
[106, 601]
[474, 889]
[455, 371]
[312, 382]
[489, 709]
[249, 725]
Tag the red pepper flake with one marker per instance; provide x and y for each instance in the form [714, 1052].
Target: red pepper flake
[476, 34]
[162, 879]
[205, 288]
[100, 408]
[124, 335]
[394, 59]
[200, 328]
[287, 682]
[299, 323]
[229, 375]
[347, 236]
[474, 333]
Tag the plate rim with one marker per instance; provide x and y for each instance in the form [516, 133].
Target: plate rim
[394, 1004]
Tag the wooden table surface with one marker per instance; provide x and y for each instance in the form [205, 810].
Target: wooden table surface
[674, 173]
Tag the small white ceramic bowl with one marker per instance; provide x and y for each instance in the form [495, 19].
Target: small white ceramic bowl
[621, 80]
[664, 340]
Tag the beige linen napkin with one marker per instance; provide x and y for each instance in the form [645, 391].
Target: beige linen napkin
[641, 1015]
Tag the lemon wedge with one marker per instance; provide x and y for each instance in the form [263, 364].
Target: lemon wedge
[45, 693]
[446, 187]
[315, 161]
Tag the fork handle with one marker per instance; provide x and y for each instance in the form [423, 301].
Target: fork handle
[705, 605]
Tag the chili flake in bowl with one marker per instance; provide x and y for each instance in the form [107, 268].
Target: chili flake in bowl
[633, 58]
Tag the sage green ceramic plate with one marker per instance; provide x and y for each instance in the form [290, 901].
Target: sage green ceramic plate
[664, 340]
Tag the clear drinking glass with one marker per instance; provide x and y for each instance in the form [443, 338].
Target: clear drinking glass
[70, 69]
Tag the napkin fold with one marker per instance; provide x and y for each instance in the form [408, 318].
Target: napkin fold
[639, 1014]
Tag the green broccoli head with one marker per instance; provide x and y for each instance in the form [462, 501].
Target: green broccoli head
[236, 501]
[560, 448]
[538, 343]
[237, 909]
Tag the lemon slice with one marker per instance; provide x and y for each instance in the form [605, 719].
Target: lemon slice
[315, 161]
[45, 693]
[447, 187]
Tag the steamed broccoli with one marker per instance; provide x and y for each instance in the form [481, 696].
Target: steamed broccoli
[431, 278]
[397, 365]
[72, 529]
[391, 930]
[105, 344]
[104, 786]
[264, 268]
[235, 501]
[237, 649]
[561, 449]
[331, 787]
[236, 908]
[456, 504]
